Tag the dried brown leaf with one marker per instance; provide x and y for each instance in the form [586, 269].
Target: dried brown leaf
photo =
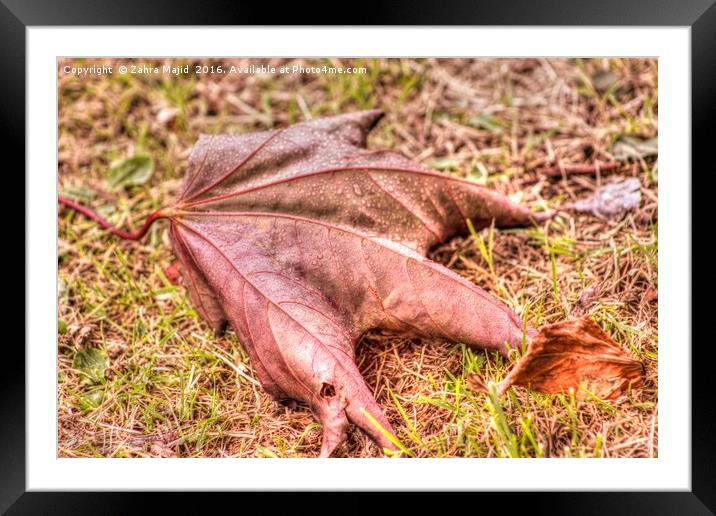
[572, 355]
[612, 200]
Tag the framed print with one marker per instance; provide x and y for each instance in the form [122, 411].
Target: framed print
[419, 256]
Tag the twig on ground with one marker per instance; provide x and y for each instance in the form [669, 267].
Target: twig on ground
[559, 170]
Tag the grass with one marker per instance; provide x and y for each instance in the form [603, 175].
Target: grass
[167, 387]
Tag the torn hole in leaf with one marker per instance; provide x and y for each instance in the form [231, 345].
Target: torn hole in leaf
[327, 390]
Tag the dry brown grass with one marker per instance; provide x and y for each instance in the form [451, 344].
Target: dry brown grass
[172, 389]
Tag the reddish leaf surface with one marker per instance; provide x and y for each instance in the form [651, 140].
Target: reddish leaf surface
[302, 239]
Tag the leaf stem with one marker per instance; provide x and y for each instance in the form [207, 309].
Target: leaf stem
[107, 225]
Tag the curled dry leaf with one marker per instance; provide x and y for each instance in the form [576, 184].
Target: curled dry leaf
[302, 239]
[612, 200]
[572, 355]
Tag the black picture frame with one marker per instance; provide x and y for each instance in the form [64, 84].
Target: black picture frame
[700, 15]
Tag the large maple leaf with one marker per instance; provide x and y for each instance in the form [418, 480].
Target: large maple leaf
[302, 239]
